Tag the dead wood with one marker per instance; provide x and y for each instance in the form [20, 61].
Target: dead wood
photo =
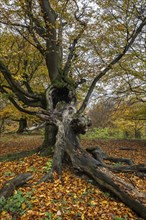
[98, 154]
[133, 168]
[11, 185]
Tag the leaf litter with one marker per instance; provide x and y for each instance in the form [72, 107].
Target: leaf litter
[73, 197]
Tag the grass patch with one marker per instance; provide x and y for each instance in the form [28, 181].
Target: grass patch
[103, 133]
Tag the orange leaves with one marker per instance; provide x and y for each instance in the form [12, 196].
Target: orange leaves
[70, 198]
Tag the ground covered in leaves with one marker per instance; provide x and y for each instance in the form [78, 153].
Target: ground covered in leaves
[75, 197]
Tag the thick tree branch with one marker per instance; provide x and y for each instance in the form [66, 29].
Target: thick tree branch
[33, 100]
[51, 55]
[14, 183]
[12, 100]
[110, 65]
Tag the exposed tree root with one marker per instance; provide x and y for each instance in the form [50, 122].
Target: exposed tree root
[19, 155]
[48, 176]
[140, 168]
[11, 185]
[100, 155]
[96, 167]
[126, 192]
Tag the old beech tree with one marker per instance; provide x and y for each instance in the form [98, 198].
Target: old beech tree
[79, 41]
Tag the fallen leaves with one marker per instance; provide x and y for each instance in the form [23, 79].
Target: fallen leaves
[70, 198]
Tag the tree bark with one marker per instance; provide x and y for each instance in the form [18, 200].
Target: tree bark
[13, 184]
[98, 154]
[22, 125]
[49, 140]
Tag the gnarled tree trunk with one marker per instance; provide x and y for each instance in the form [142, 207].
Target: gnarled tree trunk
[69, 125]
[49, 140]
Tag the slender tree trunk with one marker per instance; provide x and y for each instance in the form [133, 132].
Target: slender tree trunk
[137, 134]
[22, 125]
[2, 125]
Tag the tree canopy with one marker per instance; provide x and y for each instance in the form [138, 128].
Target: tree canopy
[82, 39]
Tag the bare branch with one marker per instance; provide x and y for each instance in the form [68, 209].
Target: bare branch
[14, 24]
[75, 41]
[110, 65]
[97, 52]
[36, 127]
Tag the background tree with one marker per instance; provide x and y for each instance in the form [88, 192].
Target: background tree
[101, 114]
[64, 33]
[130, 119]
[15, 120]
[123, 117]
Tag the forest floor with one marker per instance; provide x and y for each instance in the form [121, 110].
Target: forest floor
[75, 197]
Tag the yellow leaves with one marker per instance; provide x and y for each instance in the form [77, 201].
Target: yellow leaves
[10, 111]
[126, 118]
[3, 213]
[120, 27]
[23, 205]
[129, 214]
[104, 202]
[57, 24]
[18, 77]
[75, 196]
[34, 201]
[83, 216]
[93, 203]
